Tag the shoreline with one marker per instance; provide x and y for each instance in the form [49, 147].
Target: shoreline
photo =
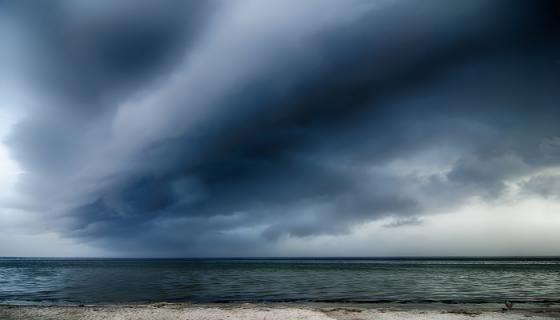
[275, 310]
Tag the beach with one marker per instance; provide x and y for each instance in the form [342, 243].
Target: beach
[166, 311]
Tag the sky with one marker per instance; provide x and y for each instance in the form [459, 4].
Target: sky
[250, 128]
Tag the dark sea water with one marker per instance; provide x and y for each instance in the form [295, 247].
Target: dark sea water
[59, 281]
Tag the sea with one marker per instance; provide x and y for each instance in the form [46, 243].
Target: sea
[352, 280]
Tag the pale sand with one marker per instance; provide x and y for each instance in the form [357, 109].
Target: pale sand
[256, 311]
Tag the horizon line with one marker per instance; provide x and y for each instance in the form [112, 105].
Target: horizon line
[290, 257]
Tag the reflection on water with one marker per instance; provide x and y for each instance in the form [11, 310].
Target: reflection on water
[144, 280]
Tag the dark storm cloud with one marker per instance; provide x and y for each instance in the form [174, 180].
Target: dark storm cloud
[196, 128]
[90, 49]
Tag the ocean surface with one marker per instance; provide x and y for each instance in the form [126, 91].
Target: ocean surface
[97, 281]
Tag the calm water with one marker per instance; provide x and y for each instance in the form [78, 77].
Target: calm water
[398, 280]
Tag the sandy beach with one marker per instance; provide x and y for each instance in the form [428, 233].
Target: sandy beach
[267, 312]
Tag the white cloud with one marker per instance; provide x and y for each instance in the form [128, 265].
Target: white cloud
[526, 227]
[46, 244]
[9, 169]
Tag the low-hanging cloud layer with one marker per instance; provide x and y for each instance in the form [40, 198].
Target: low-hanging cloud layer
[180, 128]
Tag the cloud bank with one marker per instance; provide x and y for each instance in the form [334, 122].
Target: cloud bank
[222, 127]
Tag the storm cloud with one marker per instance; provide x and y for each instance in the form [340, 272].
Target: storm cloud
[221, 127]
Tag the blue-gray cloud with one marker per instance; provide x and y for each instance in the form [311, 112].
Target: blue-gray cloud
[195, 127]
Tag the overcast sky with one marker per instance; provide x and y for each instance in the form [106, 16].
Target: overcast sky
[279, 128]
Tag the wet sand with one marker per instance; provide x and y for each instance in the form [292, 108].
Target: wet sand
[165, 311]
